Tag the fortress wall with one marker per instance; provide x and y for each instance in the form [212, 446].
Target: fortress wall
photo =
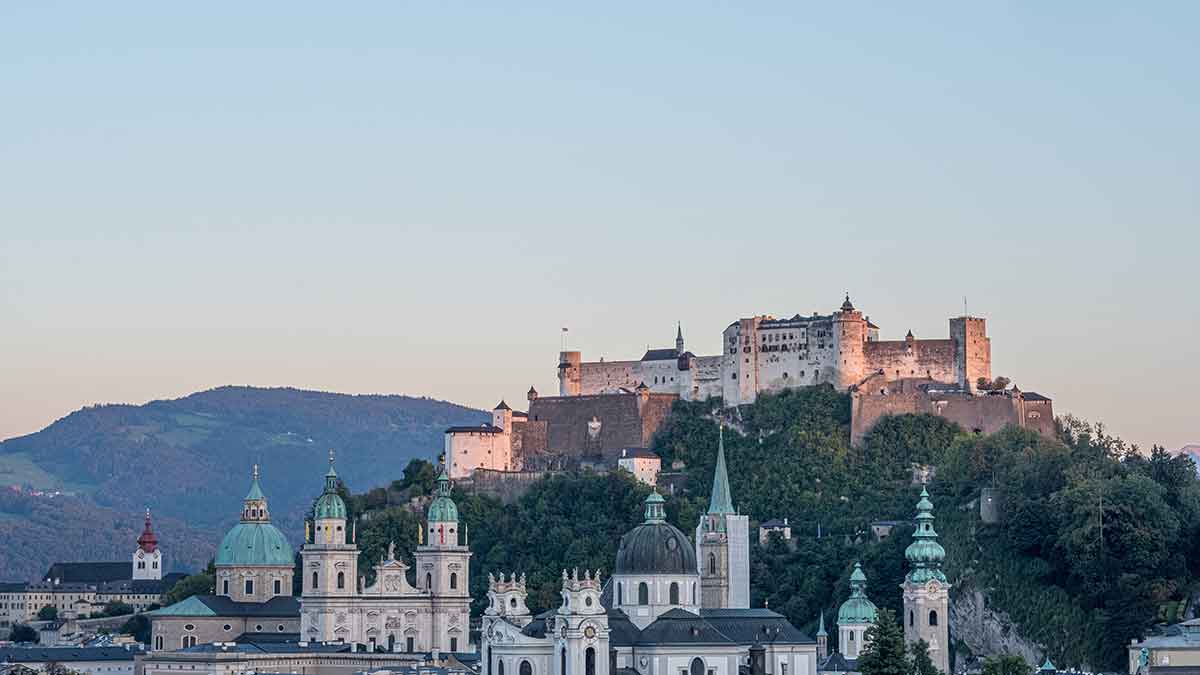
[607, 376]
[468, 451]
[706, 378]
[985, 414]
[932, 359]
[623, 422]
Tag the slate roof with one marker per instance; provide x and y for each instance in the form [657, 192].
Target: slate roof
[89, 572]
[1033, 396]
[13, 586]
[621, 631]
[65, 654]
[774, 522]
[660, 355]
[745, 626]
[679, 627]
[219, 605]
[266, 648]
[835, 662]
[144, 586]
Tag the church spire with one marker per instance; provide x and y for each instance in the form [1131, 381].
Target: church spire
[679, 337]
[925, 554]
[721, 501]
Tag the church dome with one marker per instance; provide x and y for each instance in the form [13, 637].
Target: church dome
[443, 509]
[857, 608]
[655, 546]
[330, 504]
[254, 544]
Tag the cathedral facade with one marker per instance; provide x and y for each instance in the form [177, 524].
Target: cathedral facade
[391, 613]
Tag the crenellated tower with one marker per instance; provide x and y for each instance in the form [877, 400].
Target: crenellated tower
[926, 589]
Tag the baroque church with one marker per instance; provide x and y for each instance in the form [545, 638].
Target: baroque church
[660, 613]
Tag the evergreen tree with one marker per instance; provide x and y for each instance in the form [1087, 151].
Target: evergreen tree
[1006, 664]
[885, 653]
[921, 663]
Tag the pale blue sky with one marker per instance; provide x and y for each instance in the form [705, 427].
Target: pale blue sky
[414, 198]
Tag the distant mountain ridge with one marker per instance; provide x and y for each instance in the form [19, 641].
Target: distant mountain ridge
[189, 459]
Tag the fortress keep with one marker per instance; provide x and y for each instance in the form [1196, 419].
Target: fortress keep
[766, 354]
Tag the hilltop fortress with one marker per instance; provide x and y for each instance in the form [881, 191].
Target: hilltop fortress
[765, 354]
[605, 409]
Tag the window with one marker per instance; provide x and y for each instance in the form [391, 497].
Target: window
[620, 595]
[562, 661]
[189, 641]
[391, 643]
[314, 580]
[453, 644]
[693, 592]
[281, 629]
[852, 636]
[453, 581]
[712, 563]
[500, 667]
[258, 628]
[697, 667]
[933, 617]
[341, 580]
[428, 581]
[227, 628]
[408, 643]
[488, 669]
[225, 587]
[158, 642]
[526, 668]
[189, 626]
[278, 587]
[674, 593]
[249, 587]
[910, 617]
[643, 594]
[589, 661]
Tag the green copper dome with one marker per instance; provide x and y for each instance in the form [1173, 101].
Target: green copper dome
[443, 509]
[330, 504]
[857, 608]
[254, 544]
[925, 554]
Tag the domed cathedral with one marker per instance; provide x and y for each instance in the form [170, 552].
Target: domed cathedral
[253, 587]
[254, 561]
[427, 613]
[926, 589]
[647, 619]
[723, 544]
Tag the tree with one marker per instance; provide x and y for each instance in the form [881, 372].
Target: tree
[998, 384]
[885, 653]
[23, 632]
[921, 663]
[420, 475]
[1006, 664]
[193, 584]
[137, 626]
[117, 608]
[48, 613]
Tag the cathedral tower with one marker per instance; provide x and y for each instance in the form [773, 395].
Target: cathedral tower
[723, 545]
[926, 590]
[855, 616]
[147, 558]
[442, 570]
[330, 579]
[679, 338]
[580, 627]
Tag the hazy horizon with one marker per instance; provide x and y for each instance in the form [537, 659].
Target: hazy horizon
[415, 199]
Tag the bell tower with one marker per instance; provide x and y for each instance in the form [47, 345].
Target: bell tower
[330, 577]
[442, 568]
[580, 627]
[723, 545]
[147, 557]
[926, 589]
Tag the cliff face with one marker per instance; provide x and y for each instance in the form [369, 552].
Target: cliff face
[985, 631]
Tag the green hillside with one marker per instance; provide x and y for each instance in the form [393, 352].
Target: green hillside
[1080, 593]
[189, 460]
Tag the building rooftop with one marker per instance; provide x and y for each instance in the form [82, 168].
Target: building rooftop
[660, 355]
[282, 606]
[89, 572]
[66, 654]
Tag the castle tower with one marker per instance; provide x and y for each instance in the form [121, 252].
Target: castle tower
[723, 545]
[972, 350]
[502, 417]
[849, 336]
[531, 395]
[822, 639]
[254, 562]
[570, 373]
[442, 570]
[581, 627]
[855, 616]
[330, 566]
[926, 590]
[147, 557]
[679, 338]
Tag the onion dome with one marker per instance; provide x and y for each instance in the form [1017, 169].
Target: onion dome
[857, 608]
[847, 306]
[330, 504]
[655, 546]
[254, 540]
[443, 509]
[925, 554]
[147, 541]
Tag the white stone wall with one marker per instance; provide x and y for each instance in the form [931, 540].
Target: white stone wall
[738, 529]
[645, 469]
[625, 595]
[470, 450]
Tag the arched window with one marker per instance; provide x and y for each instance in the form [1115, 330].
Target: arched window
[249, 587]
[453, 580]
[562, 662]
[910, 618]
[391, 642]
[589, 661]
[158, 642]
[643, 594]
[500, 667]
[852, 636]
[314, 580]
[712, 564]
[697, 667]
[620, 595]
[933, 617]
[693, 592]
[428, 581]
[341, 581]
[526, 668]
[189, 641]
[674, 593]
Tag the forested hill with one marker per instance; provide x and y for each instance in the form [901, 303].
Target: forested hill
[1079, 592]
[189, 460]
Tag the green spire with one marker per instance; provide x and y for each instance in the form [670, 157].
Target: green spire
[1048, 665]
[255, 493]
[443, 509]
[654, 508]
[821, 626]
[720, 502]
[330, 504]
[925, 554]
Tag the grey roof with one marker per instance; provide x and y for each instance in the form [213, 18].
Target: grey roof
[679, 627]
[1033, 396]
[835, 662]
[280, 606]
[621, 631]
[655, 548]
[478, 429]
[89, 572]
[266, 648]
[12, 586]
[65, 654]
[774, 522]
[144, 586]
[747, 626]
[660, 355]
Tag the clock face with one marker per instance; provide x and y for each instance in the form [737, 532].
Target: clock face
[589, 632]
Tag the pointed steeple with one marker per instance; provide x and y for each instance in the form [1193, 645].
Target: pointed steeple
[720, 501]
[821, 626]
[147, 541]
[255, 489]
[679, 337]
[925, 554]
[254, 506]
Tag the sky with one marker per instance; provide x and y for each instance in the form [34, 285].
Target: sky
[416, 197]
